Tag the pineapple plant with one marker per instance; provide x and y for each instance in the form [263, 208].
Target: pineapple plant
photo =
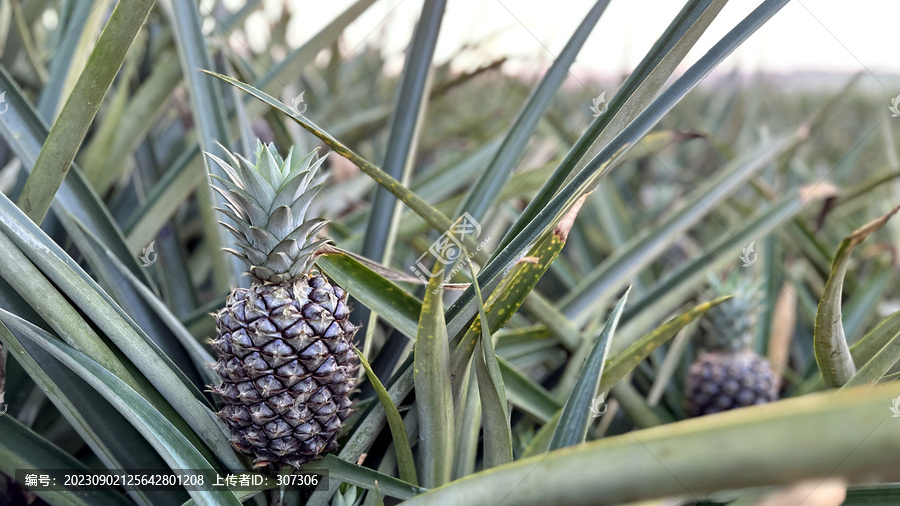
[466, 390]
[728, 374]
[286, 361]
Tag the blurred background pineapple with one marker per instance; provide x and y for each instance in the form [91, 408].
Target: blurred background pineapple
[728, 374]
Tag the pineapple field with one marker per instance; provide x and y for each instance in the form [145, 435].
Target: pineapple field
[239, 269]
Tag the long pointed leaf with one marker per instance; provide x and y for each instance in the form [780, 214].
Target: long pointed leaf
[21, 448]
[497, 433]
[168, 441]
[526, 394]
[405, 462]
[364, 477]
[575, 419]
[623, 363]
[75, 118]
[463, 309]
[636, 92]
[399, 158]
[115, 442]
[25, 133]
[208, 108]
[701, 455]
[433, 397]
[434, 217]
[637, 253]
[491, 181]
[874, 370]
[173, 387]
[398, 307]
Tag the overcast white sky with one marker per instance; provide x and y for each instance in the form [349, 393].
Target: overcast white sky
[812, 35]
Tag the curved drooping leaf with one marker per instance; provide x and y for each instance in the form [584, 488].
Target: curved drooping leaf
[832, 353]
[183, 177]
[434, 217]
[289, 69]
[115, 442]
[146, 309]
[170, 386]
[190, 346]
[39, 293]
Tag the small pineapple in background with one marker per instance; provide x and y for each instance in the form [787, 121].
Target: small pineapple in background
[728, 374]
[285, 344]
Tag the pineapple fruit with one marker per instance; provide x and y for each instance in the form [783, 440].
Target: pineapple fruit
[728, 374]
[285, 344]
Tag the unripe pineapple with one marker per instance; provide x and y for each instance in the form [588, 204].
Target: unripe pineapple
[729, 374]
[284, 344]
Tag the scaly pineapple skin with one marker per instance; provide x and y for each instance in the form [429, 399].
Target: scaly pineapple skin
[287, 368]
[723, 381]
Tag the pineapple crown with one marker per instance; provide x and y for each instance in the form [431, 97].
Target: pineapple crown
[267, 201]
[728, 326]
